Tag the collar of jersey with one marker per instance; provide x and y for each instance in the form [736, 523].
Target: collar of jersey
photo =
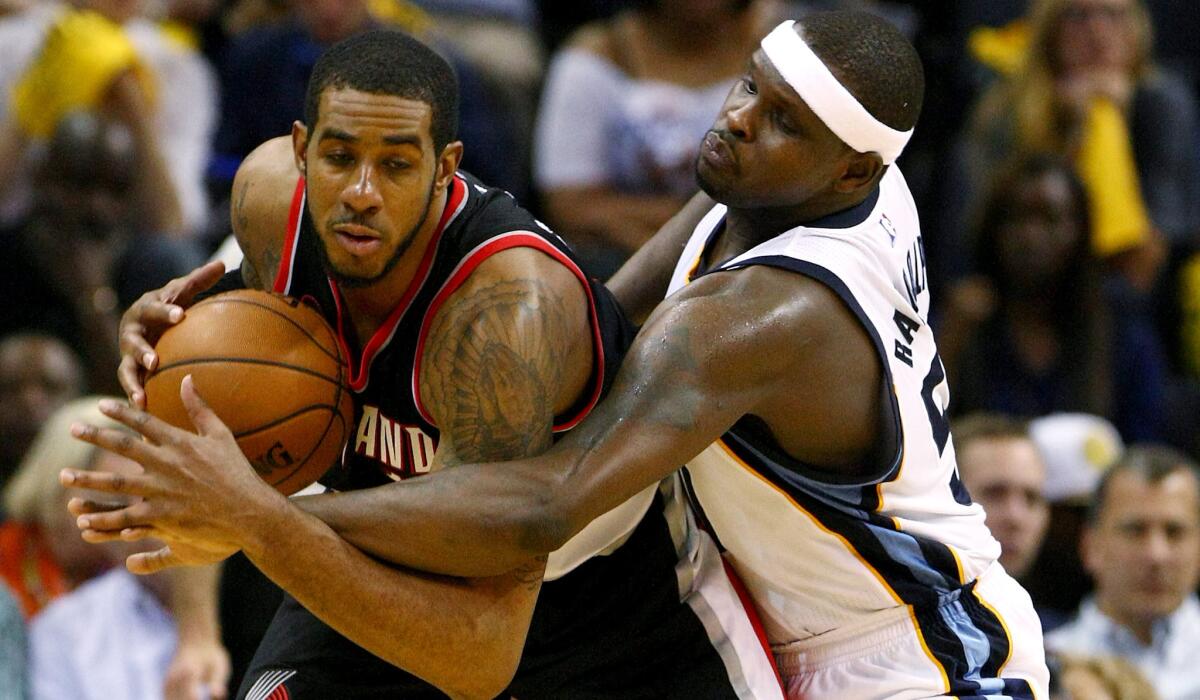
[359, 372]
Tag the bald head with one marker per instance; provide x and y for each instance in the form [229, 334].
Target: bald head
[873, 60]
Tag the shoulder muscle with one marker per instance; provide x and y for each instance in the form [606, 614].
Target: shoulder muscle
[507, 351]
[260, 204]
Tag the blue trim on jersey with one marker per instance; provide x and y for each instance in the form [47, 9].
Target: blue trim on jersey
[971, 644]
[835, 284]
[848, 218]
[922, 572]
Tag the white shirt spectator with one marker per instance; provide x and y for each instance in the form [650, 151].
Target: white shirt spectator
[108, 639]
[1169, 662]
[598, 126]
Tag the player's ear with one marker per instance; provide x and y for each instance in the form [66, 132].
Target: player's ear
[862, 171]
[448, 162]
[300, 145]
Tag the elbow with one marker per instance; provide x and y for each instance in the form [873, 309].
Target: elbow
[480, 686]
[548, 522]
[493, 667]
[544, 531]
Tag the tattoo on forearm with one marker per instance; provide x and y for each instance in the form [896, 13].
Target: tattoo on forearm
[529, 575]
[494, 365]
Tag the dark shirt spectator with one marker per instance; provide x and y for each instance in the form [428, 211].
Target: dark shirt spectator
[264, 76]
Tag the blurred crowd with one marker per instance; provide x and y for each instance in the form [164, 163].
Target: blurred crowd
[1056, 169]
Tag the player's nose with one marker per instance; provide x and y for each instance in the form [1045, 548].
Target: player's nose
[362, 193]
[739, 118]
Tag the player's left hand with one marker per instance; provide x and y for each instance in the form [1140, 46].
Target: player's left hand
[198, 493]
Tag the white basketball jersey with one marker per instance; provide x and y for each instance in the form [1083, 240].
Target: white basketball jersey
[817, 551]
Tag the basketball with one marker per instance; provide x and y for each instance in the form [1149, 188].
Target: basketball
[272, 369]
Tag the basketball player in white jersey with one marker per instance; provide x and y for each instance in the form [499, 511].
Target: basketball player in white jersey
[793, 371]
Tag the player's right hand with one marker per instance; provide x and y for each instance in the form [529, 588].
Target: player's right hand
[149, 317]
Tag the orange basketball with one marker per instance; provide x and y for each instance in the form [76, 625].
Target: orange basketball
[272, 370]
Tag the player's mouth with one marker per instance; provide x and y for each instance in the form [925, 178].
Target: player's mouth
[716, 152]
[357, 239]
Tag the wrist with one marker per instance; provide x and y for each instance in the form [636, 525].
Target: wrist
[260, 532]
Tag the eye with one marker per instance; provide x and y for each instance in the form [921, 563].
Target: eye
[396, 164]
[338, 158]
[785, 125]
[749, 86]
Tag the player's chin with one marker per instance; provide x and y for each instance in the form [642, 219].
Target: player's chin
[356, 275]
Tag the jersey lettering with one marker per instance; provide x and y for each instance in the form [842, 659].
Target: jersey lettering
[402, 450]
[915, 279]
[907, 327]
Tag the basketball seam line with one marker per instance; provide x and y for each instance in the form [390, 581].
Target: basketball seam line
[284, 419]
[334, 356]
[243, 360]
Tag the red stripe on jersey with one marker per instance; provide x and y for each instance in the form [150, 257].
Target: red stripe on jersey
[283, 277]
[515, 239]
[752, 613]
[360, 375]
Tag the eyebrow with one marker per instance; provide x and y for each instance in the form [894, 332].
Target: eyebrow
[335, 134]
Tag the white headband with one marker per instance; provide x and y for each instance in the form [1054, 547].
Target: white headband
[828, 98]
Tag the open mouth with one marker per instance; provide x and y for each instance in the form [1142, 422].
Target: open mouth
[356, 239]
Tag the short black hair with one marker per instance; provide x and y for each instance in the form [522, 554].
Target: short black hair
[389, 62]
[1151, 463]
[873, 60]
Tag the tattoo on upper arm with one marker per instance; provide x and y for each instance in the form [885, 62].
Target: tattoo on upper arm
[239, 208]
[494, 367]
[250, 275]
[261, 262]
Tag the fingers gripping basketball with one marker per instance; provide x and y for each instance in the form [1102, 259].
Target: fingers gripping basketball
[272, 370]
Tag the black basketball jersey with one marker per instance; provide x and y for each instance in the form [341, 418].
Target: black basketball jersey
[613, 626]
[393, 436]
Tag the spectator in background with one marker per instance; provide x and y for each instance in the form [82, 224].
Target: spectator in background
[112, 636]
[1003, 471]
[41, 553]
[1142, 547]
[80, 256]
[1033, 333]
[1086, 89]
[499, 38]
[105, 56]
[265, 74]
[42, 556]
[625, 105]
[1077, 449]
[38, 374]
[12, 648]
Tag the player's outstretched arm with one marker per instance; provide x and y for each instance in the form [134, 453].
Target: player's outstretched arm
[719, 349]
[511, 349]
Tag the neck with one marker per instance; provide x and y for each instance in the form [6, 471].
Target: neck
[1140, 627]
[367, 307]
[756, 225]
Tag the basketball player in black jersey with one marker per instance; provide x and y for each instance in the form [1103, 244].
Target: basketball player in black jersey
[471, 329]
